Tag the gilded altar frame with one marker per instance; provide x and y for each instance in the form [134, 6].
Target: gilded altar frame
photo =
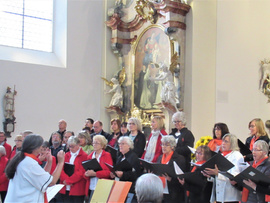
[131, 24]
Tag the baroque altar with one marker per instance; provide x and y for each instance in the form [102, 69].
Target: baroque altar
[148, 37]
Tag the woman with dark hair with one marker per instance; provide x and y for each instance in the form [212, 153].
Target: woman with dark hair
[28, 181]
[257, 132]
[116, 134]
[124, 129]
[219, 130]
[200, 192]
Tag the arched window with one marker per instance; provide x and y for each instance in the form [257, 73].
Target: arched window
[27, 24]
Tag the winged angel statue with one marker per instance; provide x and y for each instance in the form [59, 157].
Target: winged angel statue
[115, 84]
[265, 78]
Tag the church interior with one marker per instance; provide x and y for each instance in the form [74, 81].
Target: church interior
[225, 45]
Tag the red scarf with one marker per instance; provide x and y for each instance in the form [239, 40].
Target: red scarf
[165, 159]
[226, 153]
[214, 143]
[245, 191]
[36, 159]
[194, 168]
[253, 140]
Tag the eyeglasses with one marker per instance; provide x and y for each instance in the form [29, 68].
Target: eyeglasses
[177, 121]
[226, 141]
[199, 153]
[252, 126]
[96, 143]
[256, 150]
[131, 123]
[17, 140]
[165, 145]
[121, 143]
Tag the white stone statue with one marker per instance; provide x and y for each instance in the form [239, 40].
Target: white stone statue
[9, 104]
[168, 91]
[117, 99]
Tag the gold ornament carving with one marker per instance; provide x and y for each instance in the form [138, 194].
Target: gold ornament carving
[146, 10]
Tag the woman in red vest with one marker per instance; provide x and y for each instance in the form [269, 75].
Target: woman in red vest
[74, 184]
[153, 147]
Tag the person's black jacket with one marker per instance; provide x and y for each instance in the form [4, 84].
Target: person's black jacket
[249, 157]
[186, 139]
[105, 134]
[136, 171]
[199, 193]
[139, 144]
[176, 190]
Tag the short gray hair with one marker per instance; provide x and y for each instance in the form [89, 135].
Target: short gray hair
[170, 140]
[137, 122]
[127, 140]
[262, 145]
[73, 140]
[3, 150]
[179, 116]
[149, 188]
[233, 141]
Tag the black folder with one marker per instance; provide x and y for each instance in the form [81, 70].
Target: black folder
[194, 178]
[112, 151]
[121, 166]
[158, 169]
[222, 163]
[91, 164]
[69, 169]
[249, 173]
[244, 150]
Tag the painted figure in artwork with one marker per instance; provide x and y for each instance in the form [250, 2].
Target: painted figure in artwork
[9, 104]
[168, 91]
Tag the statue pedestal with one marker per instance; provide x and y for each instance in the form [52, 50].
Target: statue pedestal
[115, 112]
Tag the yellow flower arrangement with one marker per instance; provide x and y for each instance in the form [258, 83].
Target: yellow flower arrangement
[202, 141]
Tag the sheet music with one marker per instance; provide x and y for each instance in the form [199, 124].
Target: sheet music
[177, 169]
[53, 190]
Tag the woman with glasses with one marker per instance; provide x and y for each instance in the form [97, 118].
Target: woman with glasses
[85, 141]
[183, 137]
[116, 134]
[219, 130]
[126, 146]
[3, 142]
[173, 190]
[261, 163]
[200, 192]
[257, 132]
[224, 189]
[18, 145]
[99, 153]
[136, 135]
[153, 147]
[74, 188]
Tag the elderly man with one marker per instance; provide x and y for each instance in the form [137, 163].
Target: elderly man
[56, 144]
[149, 188]
[98, 130]
[62, 126]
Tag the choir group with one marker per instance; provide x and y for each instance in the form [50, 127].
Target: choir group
[32, 165]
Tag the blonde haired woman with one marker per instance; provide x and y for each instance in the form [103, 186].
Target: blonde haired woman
[257, 132]
[153, 147]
